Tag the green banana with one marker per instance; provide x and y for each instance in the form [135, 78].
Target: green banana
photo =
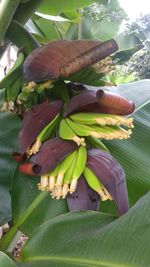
[106, 132]
[102, 119]
[68, 177]
[13, 90]
[44, 135]
[14, 73]
[96, 142]
[65, 132]
[98, 131]
[79, 167]
[79, 129]
[63, 167]
[95, 184]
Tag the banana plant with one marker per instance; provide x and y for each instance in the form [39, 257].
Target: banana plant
[74, 150]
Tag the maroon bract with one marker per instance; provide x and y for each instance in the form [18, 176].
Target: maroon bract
[114, 104]
[51, 153]
[84, 198]
[30, 168]
[100, 102]
[80, 101]
[59, 59]
[111, 175]
[19, 157]
[35, 120]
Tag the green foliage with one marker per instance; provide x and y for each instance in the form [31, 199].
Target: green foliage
[6, 261]
[108, 242]
[55, 7]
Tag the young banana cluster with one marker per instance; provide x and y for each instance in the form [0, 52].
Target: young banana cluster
[64, 177]
[12, 83]
[103, 126]
[61, 163]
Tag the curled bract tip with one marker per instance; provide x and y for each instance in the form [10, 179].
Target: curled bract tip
[30, 168]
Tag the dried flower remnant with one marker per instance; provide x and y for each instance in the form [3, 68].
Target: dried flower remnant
[104, 66]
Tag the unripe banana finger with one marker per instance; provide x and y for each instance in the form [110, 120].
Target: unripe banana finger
[79, 129]
[65, 132]
[79, 167]
[95, 184]
[102, 119]
[63, 167]
[96, 142]
[44, 135]
[68, 177]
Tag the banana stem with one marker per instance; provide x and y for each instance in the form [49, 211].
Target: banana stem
[25, 10]
[23, 13]
[8, 238]
[7, 10]
[18, 35]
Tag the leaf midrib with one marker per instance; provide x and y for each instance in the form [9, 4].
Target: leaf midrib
[73, 260]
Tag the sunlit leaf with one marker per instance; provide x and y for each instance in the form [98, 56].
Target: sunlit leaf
[54, 7]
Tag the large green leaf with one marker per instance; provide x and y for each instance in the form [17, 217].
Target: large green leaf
[5, 261]
[91, 239]
[127, 41]
[46, 29]
[105, 29]
[8, 136]
[54, 7]
[87, 28]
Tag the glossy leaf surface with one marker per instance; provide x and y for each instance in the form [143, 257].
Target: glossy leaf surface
[64, 241]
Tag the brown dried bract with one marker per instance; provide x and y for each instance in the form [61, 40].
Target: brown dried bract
[59, 59]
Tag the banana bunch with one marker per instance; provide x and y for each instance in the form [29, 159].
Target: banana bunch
[12, 83]
[64, 177]
[63, 157]
[95, 125]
